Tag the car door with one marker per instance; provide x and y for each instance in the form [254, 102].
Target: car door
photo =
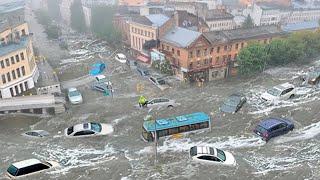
[278, 130]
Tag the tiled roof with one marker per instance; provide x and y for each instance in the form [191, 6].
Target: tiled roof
[180, 37]
[240, 34]
[151, 20]
[301, 26]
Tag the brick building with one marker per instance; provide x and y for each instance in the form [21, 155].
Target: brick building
[210, 55]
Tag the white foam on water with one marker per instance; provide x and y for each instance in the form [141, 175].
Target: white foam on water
[116, 121]
[307, 132]
[74, 158]
[182, 145]
[286, 160]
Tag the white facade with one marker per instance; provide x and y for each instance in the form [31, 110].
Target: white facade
[15, 88]
[221, 24]
[268, 16]
[65, 11]
[87, 15]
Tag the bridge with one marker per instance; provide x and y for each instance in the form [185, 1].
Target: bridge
[37, 104]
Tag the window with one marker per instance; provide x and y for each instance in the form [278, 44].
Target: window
[190, 54]
[209, 158]
[172, 50]
[23, 32]
[8, 77]
[7, 62]
[218, 60]
[3, 79]
[198, 53]
[237, 46]
[210, 61]
[23, 71]
[167, 48]
[162, 47]
[18, 72]
[13, 74]
[26, 85]
[229, 57]
[211, 51]
[191, 65]
[81, 133]
[22, 56]
[218, 49]
[235, 56]
[265, 41]
[242, 45]
[2, 64]
[225, 48]
[178, 52]
[12, 60]
[206, 61]
[205, 52]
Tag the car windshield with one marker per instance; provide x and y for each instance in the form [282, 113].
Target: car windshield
[12, 170]
[261, 129]
[161, 81]
[193, 151]
[74, 93]
[96, 127]
[274, 92]
[70, 130]
[221, 155]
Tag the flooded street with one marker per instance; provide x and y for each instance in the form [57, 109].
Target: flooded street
[123, 155]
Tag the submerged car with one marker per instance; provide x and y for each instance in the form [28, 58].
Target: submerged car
[272, 127]
[161, 102]
[157, 80]
[281, 92]
[121, 58]
[212, 155]
[36, 133]
[97, 69]
[88, 129]
[233, 103]
[132, 63]
[74, 96]
[313, 78]
[29, 167]
[142, 71]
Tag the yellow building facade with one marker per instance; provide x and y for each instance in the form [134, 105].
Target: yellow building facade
[18, 69]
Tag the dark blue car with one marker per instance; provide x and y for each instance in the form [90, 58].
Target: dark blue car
[272, 127]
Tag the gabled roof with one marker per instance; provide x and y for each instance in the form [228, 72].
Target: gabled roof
[151, 20]
[181, 37]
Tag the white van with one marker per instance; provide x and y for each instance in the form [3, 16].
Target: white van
[29, 167]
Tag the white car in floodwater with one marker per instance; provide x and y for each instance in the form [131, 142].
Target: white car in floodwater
[121, 58]
[26, 168]
[210, 155]
[281, 92]
[88, 129]
[74, 96]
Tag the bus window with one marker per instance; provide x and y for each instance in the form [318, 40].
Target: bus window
[163, 133]
[204, 125]
[184, 128]
[173, 131]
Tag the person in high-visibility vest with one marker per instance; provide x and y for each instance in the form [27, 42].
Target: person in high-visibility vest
[142, 101]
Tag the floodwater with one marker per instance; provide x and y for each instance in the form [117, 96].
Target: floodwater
[123, 155]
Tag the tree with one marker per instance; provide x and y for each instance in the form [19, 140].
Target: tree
[248, 23]
[77, 17]
[278, 51]
[54, 9]
[252, 59]
[102, 24]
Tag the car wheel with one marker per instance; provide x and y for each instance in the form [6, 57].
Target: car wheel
[292, 96]
[170, 106]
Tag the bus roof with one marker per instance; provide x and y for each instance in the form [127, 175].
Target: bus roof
[177, 121]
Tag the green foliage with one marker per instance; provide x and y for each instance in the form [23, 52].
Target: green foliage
[102, 24]
[248, 23]
[163, 67]
[277, 47]
[54, 9]
[252, 59]
[52, 30]
[77, 17]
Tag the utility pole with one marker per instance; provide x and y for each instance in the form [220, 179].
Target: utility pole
[155, 142]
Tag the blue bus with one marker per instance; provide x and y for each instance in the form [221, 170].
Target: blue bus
[175, 125]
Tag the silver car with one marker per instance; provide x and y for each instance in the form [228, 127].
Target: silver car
[161, 102]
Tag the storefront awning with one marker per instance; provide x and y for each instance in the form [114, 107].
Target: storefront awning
[143, 59]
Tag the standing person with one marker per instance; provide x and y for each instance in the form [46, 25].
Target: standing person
[142, 101]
